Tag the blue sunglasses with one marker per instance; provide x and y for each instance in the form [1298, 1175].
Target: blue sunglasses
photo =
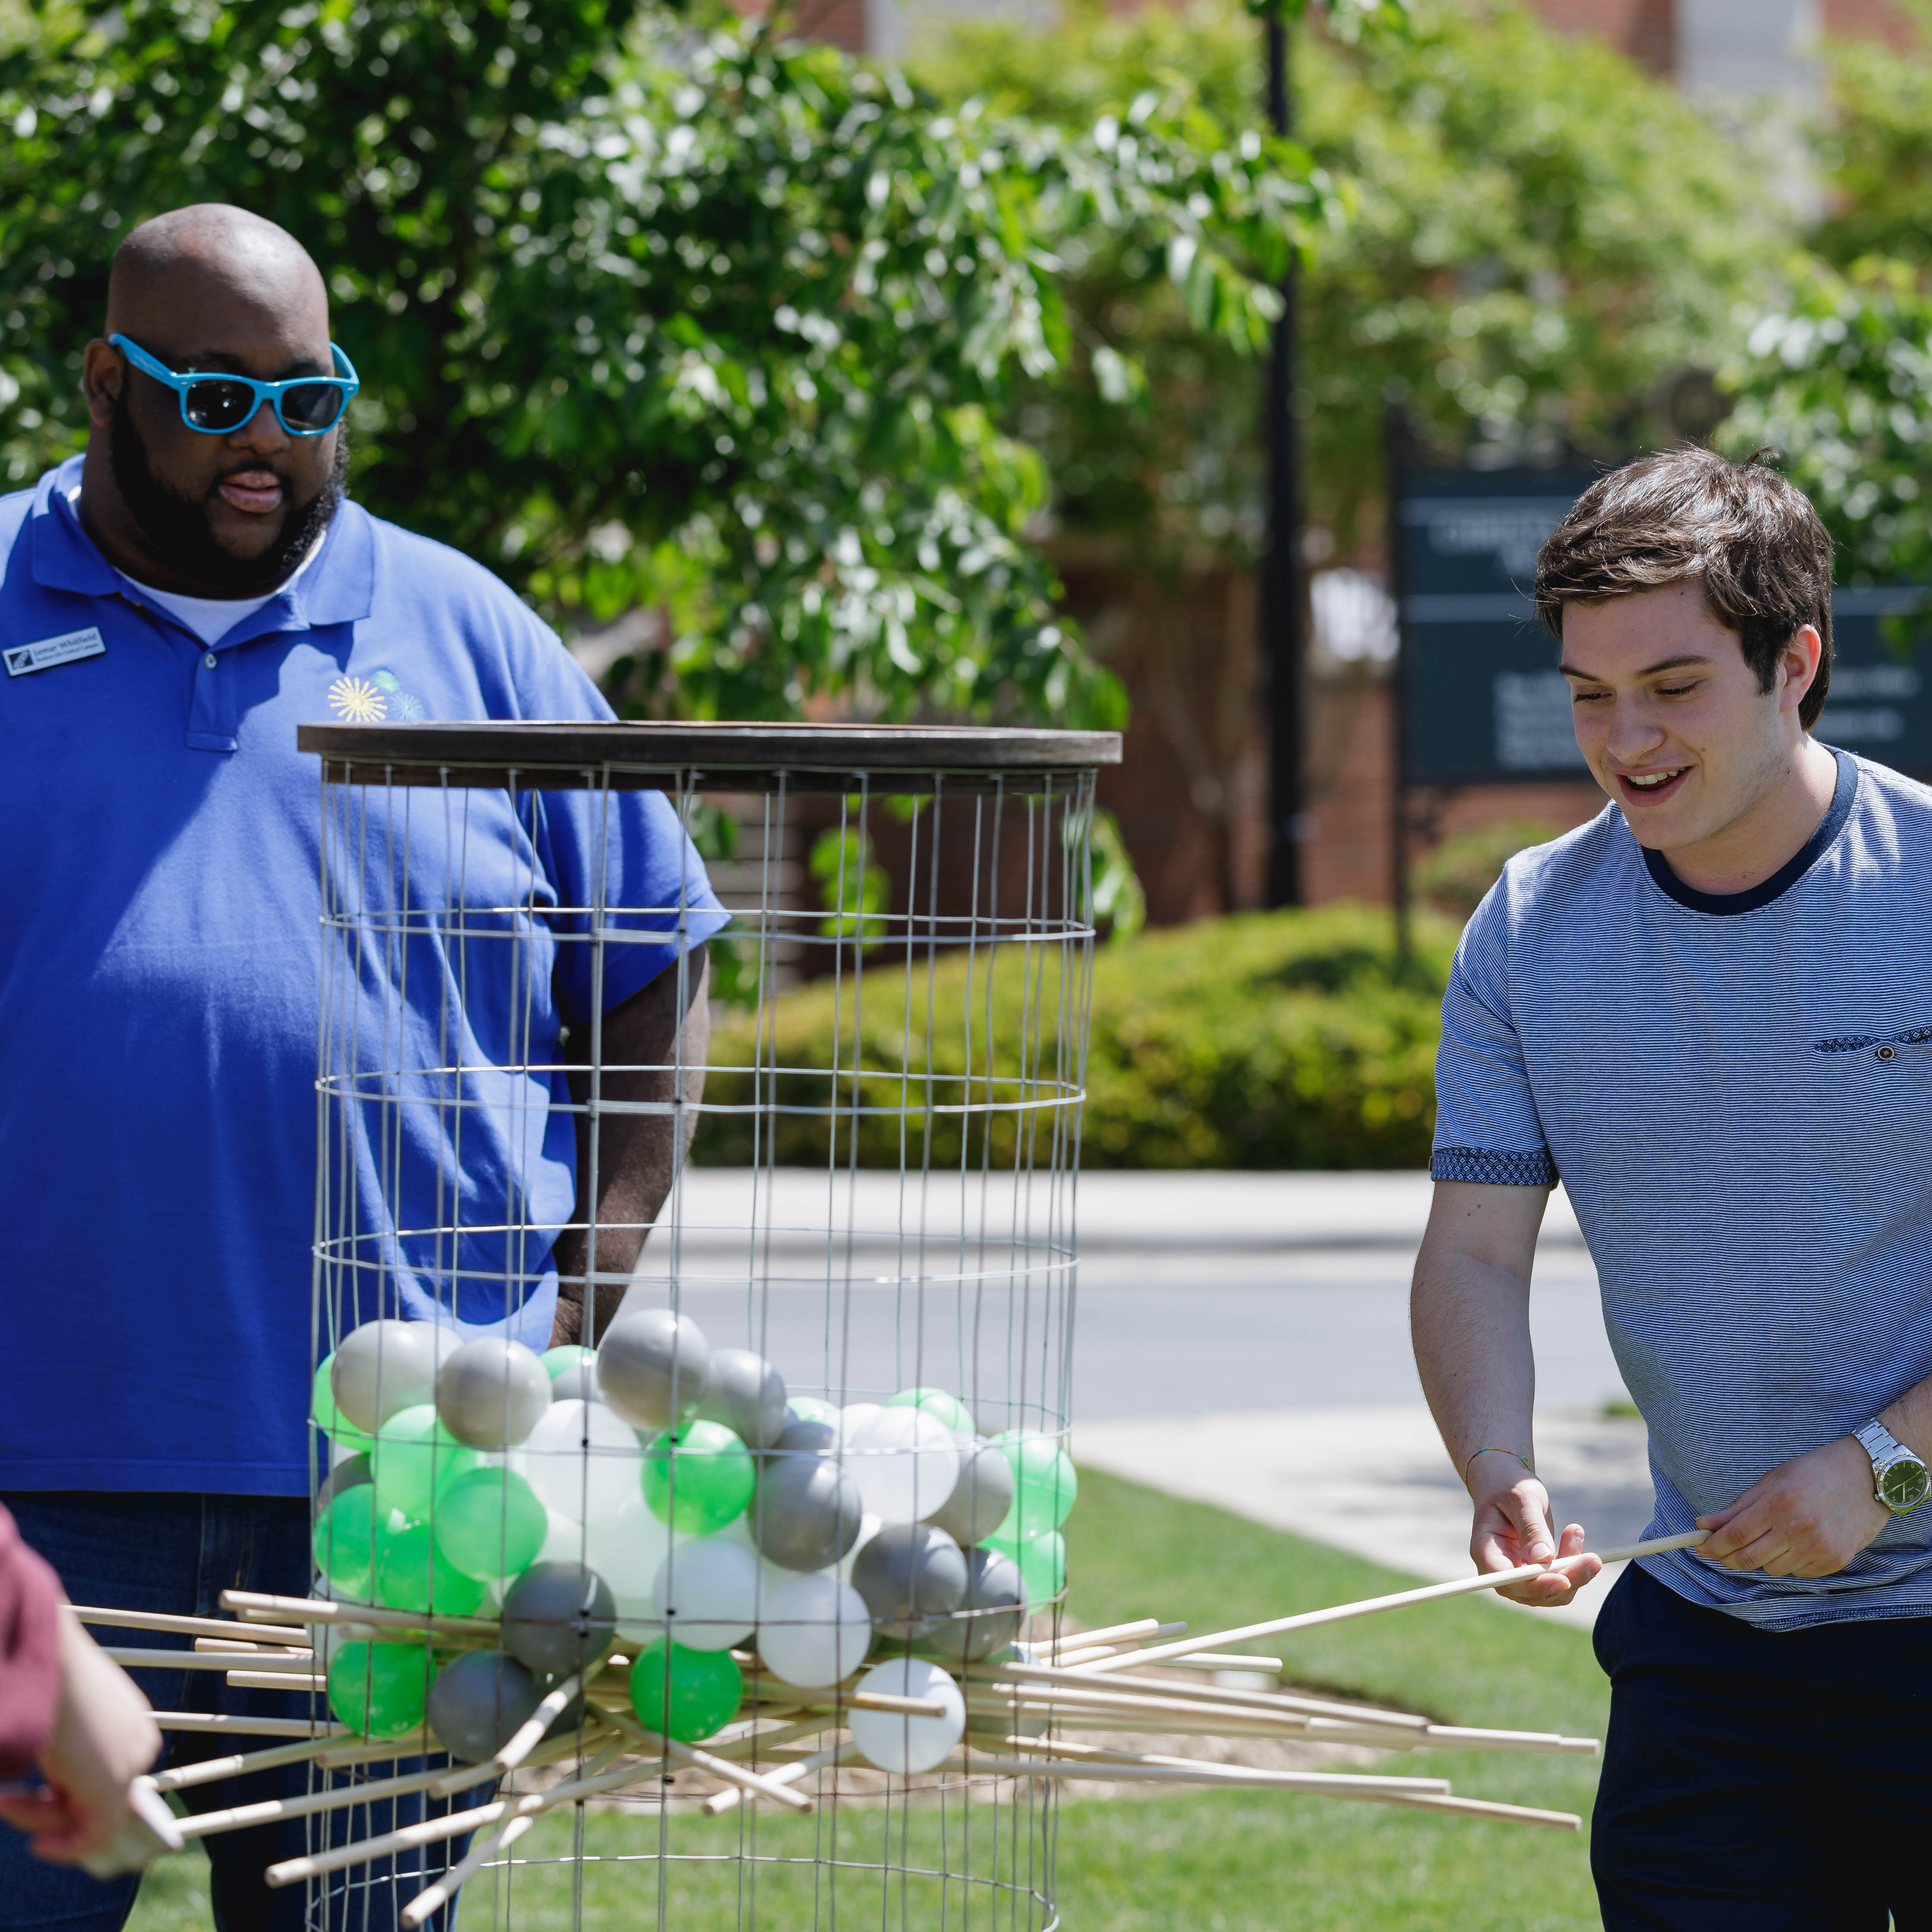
[219, 404]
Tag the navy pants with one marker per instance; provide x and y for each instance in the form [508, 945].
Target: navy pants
[1757, 1780]
[177, 1553]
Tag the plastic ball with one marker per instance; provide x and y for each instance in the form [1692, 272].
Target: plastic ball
[625, 1548]
[653, 1367]
[941, 1405]
[995, 1588]
[807, 1511]
[415, 1456]
[895, 1741]
[908, 1574]
[747, 1395]
[413, 1574]
[868, 1528]
[698, 1477]
[1043, 1563]
[982, 1496]
[813, 1631]
[576, 1383]
[905, 1463]
[706, 1594]
[566, 1355]
[811, 1409]
[380, 1689]
[345, 1539]
[492, 1392]
[1045, 1484]
[582, 1459]
[558, 1618]
[330, 1420]
[683, 1693]
[807, 1436]
[479, 1702]
[489, 1523]
[853, 1418]
[385, 1367]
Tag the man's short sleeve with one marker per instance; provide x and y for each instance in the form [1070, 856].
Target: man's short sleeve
[1487, 1128]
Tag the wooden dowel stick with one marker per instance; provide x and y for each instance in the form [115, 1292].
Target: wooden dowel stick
[277, 1680]
[159, 1620]
[243, 1764]
[721, 1801]
[755, 1782]
[1326, 1783]
[252, 1604]
[426, 1901]
[527, 1737]
[1048, 1697]
[1229, 1660]
[1279, 1702]
[433, 1831]
[298, 1664]
[760, 1742]
[366, 1751]
[1337, 1613]
[258, 1727]
[1133, 1633]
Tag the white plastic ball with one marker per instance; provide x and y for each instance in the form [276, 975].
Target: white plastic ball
[905, 1463]
[813, 1629]
[599, 1479]
[853, 1420]
[894, 1740]
[385, 1367]
[707, 1593]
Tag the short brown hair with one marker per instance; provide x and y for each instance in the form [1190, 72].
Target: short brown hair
[1749, 535]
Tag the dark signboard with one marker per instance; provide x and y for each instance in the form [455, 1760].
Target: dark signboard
[1482, 700]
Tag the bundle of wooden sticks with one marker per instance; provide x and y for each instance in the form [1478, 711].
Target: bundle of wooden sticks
[1020, 1709]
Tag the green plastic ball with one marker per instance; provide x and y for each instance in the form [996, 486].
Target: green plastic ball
[413, 1574]
[330, 1420]
[346, 1540]
[380, 1689]
[699, 1477]
[1045, 1485]
[567, 1357]
[415, 1457]
[684, 1694]
[1043, 1563]
[936, 1403]
[811, 1409]
[489, 1523]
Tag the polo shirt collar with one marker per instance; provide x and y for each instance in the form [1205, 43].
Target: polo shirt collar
[338, 588]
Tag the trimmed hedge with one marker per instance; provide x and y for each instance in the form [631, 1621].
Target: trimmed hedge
[1267, 1040]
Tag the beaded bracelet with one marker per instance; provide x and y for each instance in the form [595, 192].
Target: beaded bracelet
[1496, 1449]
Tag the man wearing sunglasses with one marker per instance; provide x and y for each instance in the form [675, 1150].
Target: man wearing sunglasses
[178, 599]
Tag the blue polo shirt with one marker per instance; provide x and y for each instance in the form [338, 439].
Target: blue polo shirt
[161, 984]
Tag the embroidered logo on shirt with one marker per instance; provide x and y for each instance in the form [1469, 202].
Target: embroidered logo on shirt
[371, 700]
[1881, 1045]
[68, 648]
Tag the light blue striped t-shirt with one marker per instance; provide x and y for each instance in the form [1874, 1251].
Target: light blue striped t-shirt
[1737, 1093]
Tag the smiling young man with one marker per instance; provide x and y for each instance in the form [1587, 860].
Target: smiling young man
[1709, 1013]
[177, 600]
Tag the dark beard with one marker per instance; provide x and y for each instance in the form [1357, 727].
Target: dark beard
[176, 526]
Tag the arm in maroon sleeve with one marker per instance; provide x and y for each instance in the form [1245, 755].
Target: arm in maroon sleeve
[30, 1651]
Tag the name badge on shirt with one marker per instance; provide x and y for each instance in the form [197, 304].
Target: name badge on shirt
[50, 653]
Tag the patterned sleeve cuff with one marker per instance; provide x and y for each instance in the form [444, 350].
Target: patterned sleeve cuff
[1488, 1168]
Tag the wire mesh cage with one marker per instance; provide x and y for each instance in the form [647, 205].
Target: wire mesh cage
[716, 1510]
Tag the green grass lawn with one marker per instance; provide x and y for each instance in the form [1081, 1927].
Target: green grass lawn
[1206, 1861]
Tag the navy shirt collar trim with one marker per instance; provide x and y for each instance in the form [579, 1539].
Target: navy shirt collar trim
[338, 588]
[1787, 876]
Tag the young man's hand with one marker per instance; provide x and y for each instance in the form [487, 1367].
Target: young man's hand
[1513, 1527]
[104, 1737]
[1807, 1517]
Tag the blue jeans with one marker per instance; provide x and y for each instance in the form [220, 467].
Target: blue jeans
[177, 1553]
[1761, 1781]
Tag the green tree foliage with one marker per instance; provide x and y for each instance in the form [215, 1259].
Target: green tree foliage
[1536, 232]
[1875, 151]
[649, 309]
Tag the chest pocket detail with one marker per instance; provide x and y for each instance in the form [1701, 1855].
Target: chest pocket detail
[1883, 1047]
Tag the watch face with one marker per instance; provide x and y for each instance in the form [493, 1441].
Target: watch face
[1904, 1485]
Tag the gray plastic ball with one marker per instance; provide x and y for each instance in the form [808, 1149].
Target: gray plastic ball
[981, 1497]
[653, 1368]
[993, 1584]
[578, 1383]
[908, 1574]
[558, 1618]
[805, 1438]
[746, 1394]
[384, 1367]
[492, 1392]
[479, 1702]
[806, 1513]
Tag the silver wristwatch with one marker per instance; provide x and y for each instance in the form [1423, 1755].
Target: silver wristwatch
[1900, 1480]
